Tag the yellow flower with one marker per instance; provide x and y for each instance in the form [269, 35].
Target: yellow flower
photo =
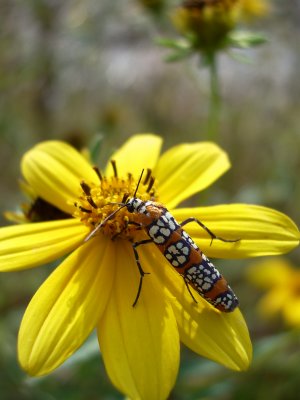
[95, 286]
[281, 280]
[208, 22]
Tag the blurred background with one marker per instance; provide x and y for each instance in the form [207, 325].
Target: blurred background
[91, 72]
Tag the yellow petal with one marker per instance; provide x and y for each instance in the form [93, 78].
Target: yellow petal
[221, 337]
[262, 231]
[188, 168]
[140, 151]
[66, 307]
[140, 345]
[54, 169]
[31, 245]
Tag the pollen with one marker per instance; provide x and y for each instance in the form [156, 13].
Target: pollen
[97, 202]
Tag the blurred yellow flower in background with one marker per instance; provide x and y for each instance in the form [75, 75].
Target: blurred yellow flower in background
[208, 22]
[281, 282]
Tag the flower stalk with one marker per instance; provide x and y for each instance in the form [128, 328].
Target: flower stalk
[215, 103]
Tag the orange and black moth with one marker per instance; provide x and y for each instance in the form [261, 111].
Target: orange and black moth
[180, 250]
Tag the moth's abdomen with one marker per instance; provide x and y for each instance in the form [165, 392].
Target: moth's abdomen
[210, 284]
[184, 255]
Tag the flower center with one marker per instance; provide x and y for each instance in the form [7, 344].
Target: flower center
[97, 202]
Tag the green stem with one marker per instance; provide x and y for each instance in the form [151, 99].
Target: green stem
[215, 98]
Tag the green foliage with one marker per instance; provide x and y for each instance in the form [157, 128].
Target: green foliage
[245, 40]
[182, 48]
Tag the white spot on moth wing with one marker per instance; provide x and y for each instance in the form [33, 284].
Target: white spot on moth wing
[159, 239]
[186, 251]
[164, 219]
[173, 224]
[206, 286]
[153, 230]
[165, 231]
[160, 222]
[172, 249]
[181, 259]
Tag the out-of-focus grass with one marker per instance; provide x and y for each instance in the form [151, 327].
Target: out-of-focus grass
[72, 70]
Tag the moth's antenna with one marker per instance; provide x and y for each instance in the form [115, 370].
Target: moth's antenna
[95, 230]
[138, 184]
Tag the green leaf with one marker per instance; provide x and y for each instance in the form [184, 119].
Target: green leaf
[182, 48]
[245, 40]
[178, 44]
